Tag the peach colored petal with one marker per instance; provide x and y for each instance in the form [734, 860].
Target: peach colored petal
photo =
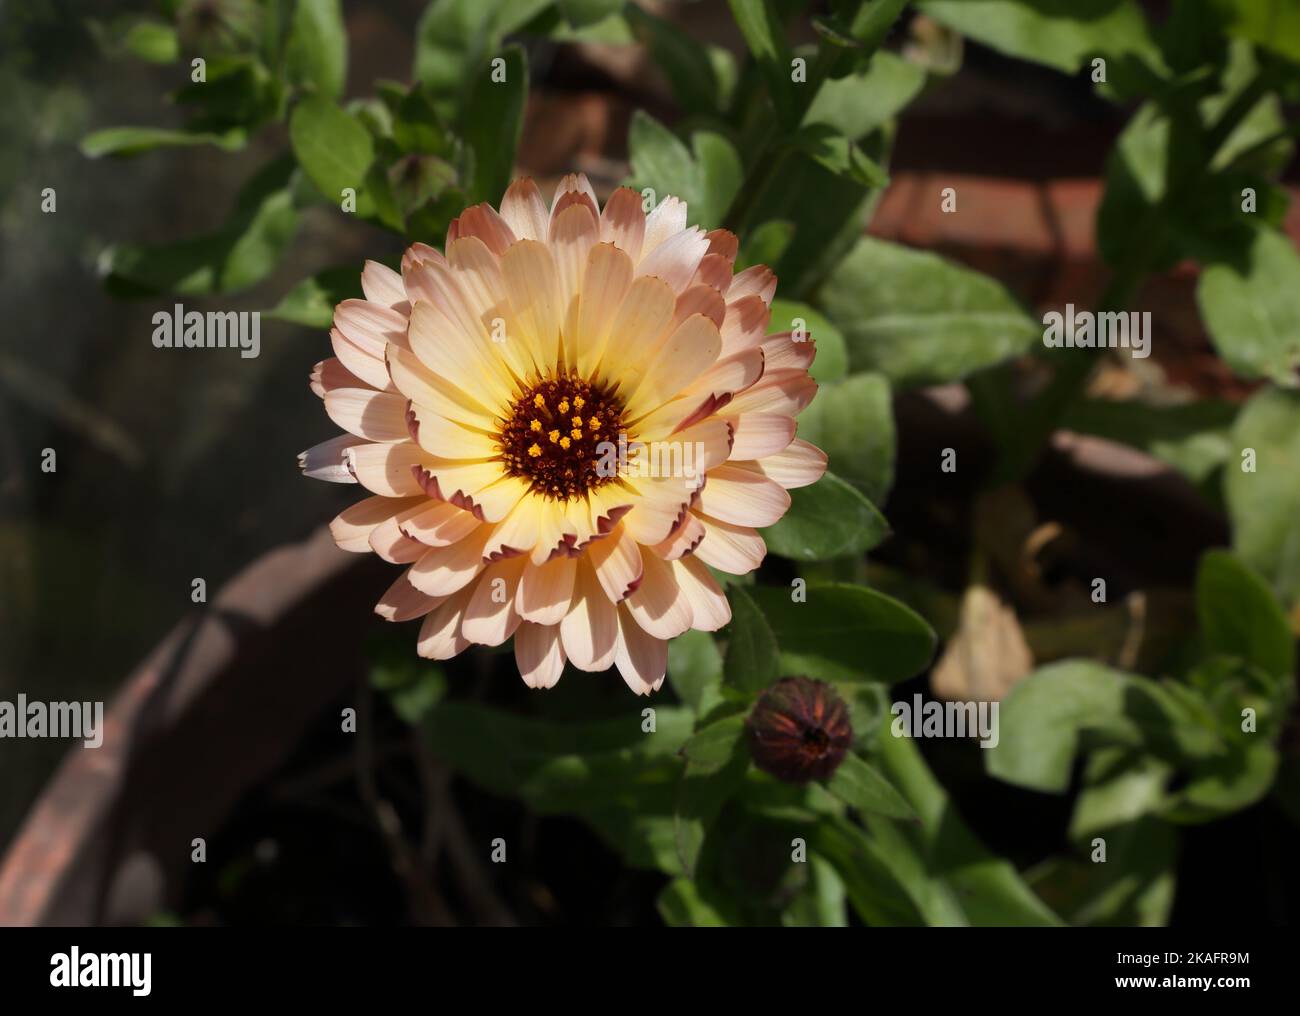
[760, 434]
[699, 299]
[524, 210]
[658, 603]
[617, 563]
[436, 523]
[533, 289]
[758, 280]
[783, 351]
[384, 286]
[330, 374]
[442, 571]
[736, 550]
[715, 272]
[797, 466]
[778, 391]
[681, 541]
[386, 468]
[375, 416]
[419, 384]
[589, 631]
[745, 324]
[490, 617]
[363, 363]
[606, 279]
[709, 607]
[327, 460]
[546, 590]
[642, 659]
[688, 352]
[667, 220]
[440, 637]
[352, 527]
[446, 438]
[636, 329]
[389, 542]
[483, 222]
[403, 602]
[724, 243]
[743, 497]
[539, 654]
[676, 259]
[622, 223]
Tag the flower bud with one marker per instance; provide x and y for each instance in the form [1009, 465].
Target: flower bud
[799, 730]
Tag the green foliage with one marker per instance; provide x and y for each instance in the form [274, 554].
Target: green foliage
[789, 146]
[919, 319]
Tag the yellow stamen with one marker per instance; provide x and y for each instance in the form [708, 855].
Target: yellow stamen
[534, 450]
[554, 436]
[564, 405]
[535, 425]
[539, 402]
[576, 434]
[564, 442]
[579, 402]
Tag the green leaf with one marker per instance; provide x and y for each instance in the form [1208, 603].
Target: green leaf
[695, 670]
[826, 520]
[332, 146]
[1042, 720]
[919, 319]
[963, 875]
[713, 747]
[681, 906]
[828, 210]
[852, 421]
[153, 41]
[621, 780]
[1220, 786]
[707, 176]
[454, 37]
[765, 36]
[1240, 616]
[751, 660]
[1133, 888]
[125, 141]
[1264, 503]
[860, 103]
[860, 785]
[1253, 312]
[1272, 24]
[317, 51]
[312, 301]
[844, 632]
[579, 13]
[1193, 437]
[686, 63]
[831, 362]
[491, 122]
[244, 251]
[1064, 34]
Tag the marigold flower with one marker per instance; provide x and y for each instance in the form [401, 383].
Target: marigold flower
[484, 482]
[799, 730]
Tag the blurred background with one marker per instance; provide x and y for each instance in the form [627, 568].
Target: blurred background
[172, 467]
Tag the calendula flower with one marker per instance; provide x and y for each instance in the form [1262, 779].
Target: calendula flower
[799, 730]
[562, 421]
